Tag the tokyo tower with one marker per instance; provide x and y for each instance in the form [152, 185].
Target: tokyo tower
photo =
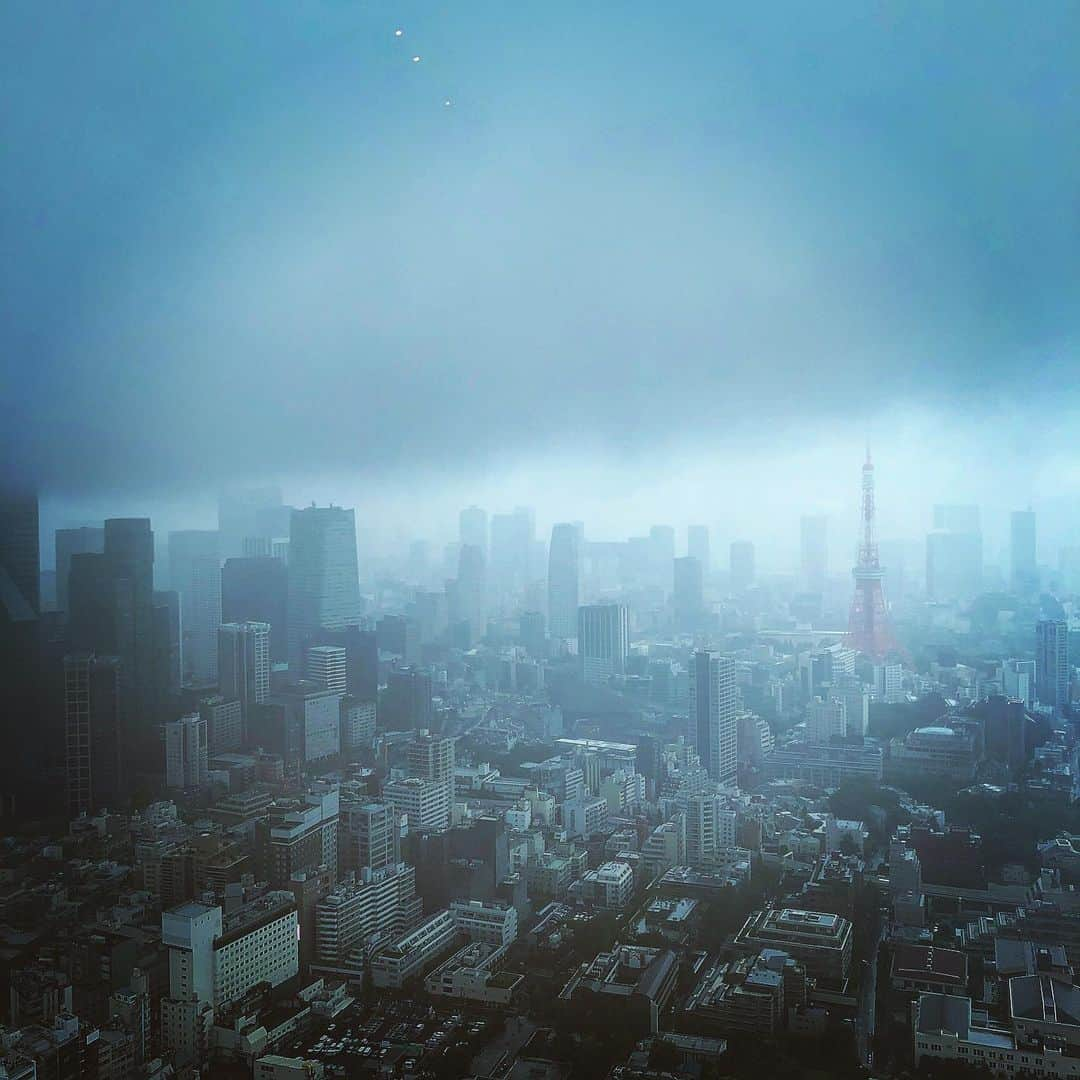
[868, 624]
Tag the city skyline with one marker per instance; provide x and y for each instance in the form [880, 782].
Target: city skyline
[539, 540]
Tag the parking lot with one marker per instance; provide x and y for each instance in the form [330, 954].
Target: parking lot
[393, 1035]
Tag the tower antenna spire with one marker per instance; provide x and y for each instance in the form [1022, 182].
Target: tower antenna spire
[868, 622]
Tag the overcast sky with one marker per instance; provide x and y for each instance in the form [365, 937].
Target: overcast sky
[654, 261]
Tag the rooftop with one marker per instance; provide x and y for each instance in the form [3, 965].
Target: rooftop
[1044, 999]
[925, 961]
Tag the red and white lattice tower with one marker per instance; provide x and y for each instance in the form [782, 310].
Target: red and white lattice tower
[868, 624]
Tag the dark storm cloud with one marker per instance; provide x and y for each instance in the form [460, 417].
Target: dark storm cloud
[248, 238]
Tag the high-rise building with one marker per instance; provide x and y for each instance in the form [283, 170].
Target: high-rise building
[82, 541]
[92, 618]
[431, 757]
[326, 667]
[714, 701]
[168, 677]
[531, 634]
[742, 566]
[426, 803]
[22, 757]
[1052, 662]
[1024, 567]
[92, 732]
[299, 834]
[471, 594]
[357, 724]
[361, 659]
[311, 722]
[195, 573]
[20, 546]
[688, 598]
[257, 590]
[406, 703]
[1069, 568]
[217, 957]
[603, 641]
[324, 581]
[186, 753]
[814, 552]
[224, 719]
[473, 528]
[697, 545]
[399, 636]
[430, 616]
[369, 837]
[1018, 681]
[256, 512]
[710, 829]
[714, 719]
[277, 547]
[378, 905]
[129, 630]
[564, 561]
[889, 683]
[244, 664]
[826, 719]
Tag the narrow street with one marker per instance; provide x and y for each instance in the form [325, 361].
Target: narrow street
[868, 1002]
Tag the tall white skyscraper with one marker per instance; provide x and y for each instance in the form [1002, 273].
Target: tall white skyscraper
[244, 664]
[826, 719]
[324, 579]
[195, 573]
[710, 828]
[714, 700]
[603, 641]
[326, 667]
[1052, 662]
[431, 757]
[564, 561]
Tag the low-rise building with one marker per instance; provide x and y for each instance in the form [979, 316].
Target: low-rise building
[630, 982]
[407, 957]
[936, 750]
[752, 995]
[925, 968]
[947, 1027]
[824, 765]
[276, 1067]
[821, 941]
[486, 921]
[474, 973]
[610, 885]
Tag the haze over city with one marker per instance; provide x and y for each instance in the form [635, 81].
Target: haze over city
[642, 243]
[539, 541]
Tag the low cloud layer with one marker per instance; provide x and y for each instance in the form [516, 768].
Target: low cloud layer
[245, 240]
